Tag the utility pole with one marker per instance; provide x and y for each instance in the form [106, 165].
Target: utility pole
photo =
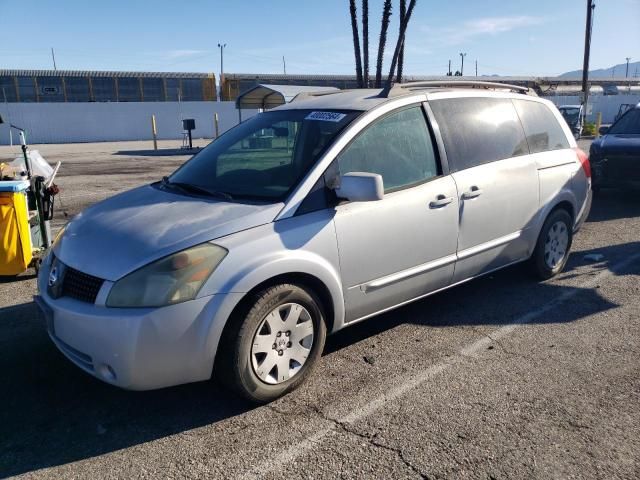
[626, 75]
[587, 50]
[476, 68]
[462, 55]
[449, 73]
[53, 56]
[221, 46]
[284, 65]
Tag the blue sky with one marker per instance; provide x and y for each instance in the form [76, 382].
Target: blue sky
[517, 37]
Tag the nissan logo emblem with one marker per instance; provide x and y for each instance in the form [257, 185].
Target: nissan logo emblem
[53, 276]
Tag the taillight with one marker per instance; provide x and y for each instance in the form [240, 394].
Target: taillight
[583, 158]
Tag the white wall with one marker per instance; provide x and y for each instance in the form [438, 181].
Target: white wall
[607, 104]
[101, 122]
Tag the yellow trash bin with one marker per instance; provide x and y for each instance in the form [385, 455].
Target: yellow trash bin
[15, 235]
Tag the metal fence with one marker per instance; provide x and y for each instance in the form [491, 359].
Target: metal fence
[45, 86]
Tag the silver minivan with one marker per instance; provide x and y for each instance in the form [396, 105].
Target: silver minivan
[306, 219]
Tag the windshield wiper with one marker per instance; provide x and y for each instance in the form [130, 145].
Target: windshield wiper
[188, 187]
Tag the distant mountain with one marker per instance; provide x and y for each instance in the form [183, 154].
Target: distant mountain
[617, 70]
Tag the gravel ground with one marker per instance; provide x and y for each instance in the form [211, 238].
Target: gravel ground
[502, 377]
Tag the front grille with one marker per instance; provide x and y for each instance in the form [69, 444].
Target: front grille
[81, 286]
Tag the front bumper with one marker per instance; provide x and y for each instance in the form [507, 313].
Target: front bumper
[138, 349]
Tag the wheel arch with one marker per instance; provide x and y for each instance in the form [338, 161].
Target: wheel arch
[333, 320]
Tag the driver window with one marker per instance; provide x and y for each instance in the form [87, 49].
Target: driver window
[397, 146]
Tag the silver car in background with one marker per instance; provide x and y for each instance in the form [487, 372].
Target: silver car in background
[306, 219]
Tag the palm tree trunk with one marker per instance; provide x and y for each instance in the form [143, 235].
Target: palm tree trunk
[403, 13]
[386, 16]
[400, 42]
[356, 40]
[365, 41]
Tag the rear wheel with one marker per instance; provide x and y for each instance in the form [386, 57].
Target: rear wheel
[553, 246]
[271, 349]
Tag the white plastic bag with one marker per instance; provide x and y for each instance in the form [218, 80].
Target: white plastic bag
[39, 166]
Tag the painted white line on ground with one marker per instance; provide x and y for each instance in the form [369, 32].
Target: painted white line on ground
[280, 461]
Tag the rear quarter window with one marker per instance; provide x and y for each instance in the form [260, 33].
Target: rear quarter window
[478, 130]
[541, 126]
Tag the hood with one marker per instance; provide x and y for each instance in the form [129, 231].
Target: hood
[123, 233]
[613, 144]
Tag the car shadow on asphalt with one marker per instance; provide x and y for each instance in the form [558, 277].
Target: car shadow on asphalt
[502, 297]
[611, 204]
[52, 413]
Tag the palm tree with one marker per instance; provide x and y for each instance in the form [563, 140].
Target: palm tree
[400, 42]
[365, 41]
[403, 13]
[386, 16]
[356, 40]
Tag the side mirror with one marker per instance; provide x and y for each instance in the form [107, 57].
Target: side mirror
[603, 130]
[361, 187]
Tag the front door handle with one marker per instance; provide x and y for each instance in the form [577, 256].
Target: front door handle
[473, 193]
[440, 201]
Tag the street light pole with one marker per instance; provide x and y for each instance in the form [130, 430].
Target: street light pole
[462, 55]
[626, 75]
[587, 50]
[221, 46]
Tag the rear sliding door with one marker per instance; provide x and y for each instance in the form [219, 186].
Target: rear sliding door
[496, 179]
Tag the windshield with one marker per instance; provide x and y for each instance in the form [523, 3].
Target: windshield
[570, 114]
[628, 124]
[265, 157]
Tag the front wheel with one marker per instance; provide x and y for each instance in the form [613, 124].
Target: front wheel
[553, 246]
[271, 349]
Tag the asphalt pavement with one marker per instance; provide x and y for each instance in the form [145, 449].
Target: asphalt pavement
[502, 377]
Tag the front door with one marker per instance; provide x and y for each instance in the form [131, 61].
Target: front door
[399, 248]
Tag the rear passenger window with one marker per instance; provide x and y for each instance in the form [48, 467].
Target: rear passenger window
[398, 147]
[541, 127]
[478, 130]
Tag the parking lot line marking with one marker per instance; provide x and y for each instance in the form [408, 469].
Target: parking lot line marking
[280, 461]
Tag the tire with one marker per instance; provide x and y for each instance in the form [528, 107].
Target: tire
[269, 322]
[553, 245]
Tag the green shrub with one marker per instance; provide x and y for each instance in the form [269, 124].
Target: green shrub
[589, 129]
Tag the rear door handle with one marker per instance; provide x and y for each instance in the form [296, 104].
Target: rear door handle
[441, 201]
[473, 193]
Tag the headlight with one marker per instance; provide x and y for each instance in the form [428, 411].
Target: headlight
[173, 279]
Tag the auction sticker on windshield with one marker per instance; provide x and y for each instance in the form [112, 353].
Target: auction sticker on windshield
[326, 116]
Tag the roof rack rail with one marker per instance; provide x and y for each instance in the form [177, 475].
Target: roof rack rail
[401, 88]
[303, 95]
